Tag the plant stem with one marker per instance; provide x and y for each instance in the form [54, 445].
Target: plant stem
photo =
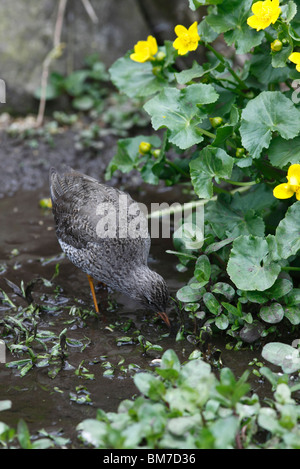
[189, 205]
[237, 183]
[288, 268]
[207, 133]
[177, 168]
[225, 63]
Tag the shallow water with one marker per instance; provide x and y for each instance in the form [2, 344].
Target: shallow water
[27, 240]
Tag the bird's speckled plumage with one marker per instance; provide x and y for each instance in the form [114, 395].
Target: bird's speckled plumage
[119, 262]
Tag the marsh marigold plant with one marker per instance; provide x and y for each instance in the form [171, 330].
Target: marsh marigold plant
[227, 127]
[187, 40]
[264, 14]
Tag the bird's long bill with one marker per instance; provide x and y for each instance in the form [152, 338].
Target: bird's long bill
[165, 318]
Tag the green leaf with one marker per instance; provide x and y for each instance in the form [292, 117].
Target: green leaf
[196, 71]
[282, 152]
[232, 216]
[282, 355]
[223, 289]
[249, 266]
[147, 384]
[169, 360]
[281, 288]
[293, 297]
[270, 111]
[83, 103]
[272, 314]
[261, 67]
[202, 270]
[194, 4]
[187, 294]
[211, 162]
[230, 18]
[23, 435]
[211, 303]
[74, 83]
[128, 156]
[178, 110]
[222, 322]
[288, 232]
[52, 92]
[289, 11]
[292, 313]
[135, 79]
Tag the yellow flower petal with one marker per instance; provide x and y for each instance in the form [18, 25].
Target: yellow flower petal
[293, 175]
[180, 30]
[187, 39]
[181, 46]
[265, 13]
[295, 57]
[298, 194]
[283, 191]
[152, 45]
[144, 50]
[257, 8]
[255, 23]
[193, 31]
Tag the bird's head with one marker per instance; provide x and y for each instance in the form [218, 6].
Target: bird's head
[151, 291]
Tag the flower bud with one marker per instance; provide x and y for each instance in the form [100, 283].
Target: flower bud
[216, 121]
[144, 147]
[240, 152]
[276, 45]
[156, 153]
[160, 56]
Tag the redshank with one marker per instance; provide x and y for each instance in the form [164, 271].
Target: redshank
[104, 233]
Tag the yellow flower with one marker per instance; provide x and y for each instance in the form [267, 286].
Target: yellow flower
[145, 50]
[287, 190]
[187, 39]
[295, 58]
[265, 13]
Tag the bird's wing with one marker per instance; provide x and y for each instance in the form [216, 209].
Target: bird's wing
[82, 208]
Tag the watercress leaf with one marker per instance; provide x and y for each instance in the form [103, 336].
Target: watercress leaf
[223, 289]
[281, 288]
[293, 297]
[187, 294]
[222, 322]
[282, 355]
[272, 314]
[292, 313]
[211, 303]
[202, 270]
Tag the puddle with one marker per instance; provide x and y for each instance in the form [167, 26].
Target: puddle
[27, 242]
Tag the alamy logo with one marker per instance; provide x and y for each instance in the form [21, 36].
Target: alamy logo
[128, 219]
[296, 93]
[2, 91]
[2, 351]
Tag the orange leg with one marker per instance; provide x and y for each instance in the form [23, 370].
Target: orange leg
[90, 279]
[165, 318]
